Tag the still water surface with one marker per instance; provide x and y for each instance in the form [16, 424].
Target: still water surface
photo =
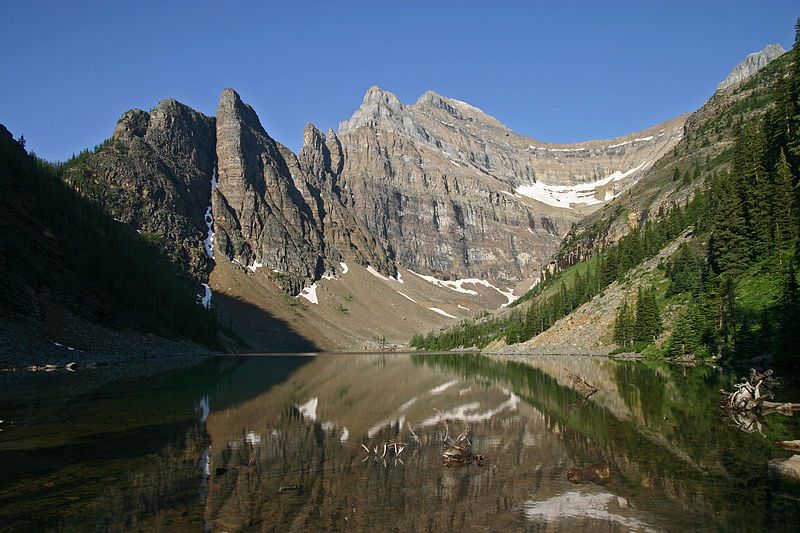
[275, 444]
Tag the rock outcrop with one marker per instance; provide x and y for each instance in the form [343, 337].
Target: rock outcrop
[750, 65]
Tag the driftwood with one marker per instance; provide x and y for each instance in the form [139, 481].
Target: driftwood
[751, 392]
[585, 389]
[789, 444]
[749, 402]
[390, 449]
[458, 451]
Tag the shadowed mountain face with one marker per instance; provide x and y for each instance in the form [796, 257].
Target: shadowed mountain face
[154, 174]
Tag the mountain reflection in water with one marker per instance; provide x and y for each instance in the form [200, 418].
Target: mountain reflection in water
[275, 444]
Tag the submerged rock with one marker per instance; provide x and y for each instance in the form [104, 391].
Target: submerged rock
[787, 470]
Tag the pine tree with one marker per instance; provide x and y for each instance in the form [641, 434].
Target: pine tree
[624, 325]
[648, 317]
[530, 329]
[794, 96]
[788, 332]
[728, 244]
[687, 335]
[784, 203]
[757, 190]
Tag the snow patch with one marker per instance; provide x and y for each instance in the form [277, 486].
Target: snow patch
[345, 268]
[253, 438]
[643, 139]
[462, 307]
[468, 412]
[575, 504]
[443, 387]
[309, 409]
[204, 408]
[255, 266]
[408, 404]
[406, 296]
[310, 294]
[443, 313]
[456, 285]
[374, 430]
[583, 193]
[376, 273]
[579, 149]
[205, 462]
[345, 435]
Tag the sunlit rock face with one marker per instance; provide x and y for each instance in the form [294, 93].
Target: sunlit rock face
[456, 193]
[276, 211]
[750, 65]
[438, 187]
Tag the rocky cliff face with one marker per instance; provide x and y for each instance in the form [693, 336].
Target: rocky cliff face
[154, 174]
[274, 210]
[438, 187]
[750, 65]
[455, 193]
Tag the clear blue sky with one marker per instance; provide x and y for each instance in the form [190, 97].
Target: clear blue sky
[557, 71]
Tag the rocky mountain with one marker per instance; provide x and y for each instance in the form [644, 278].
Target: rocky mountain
[272, 209]
[457, 194]
[750, 65]
[154, 174]
[437, 189]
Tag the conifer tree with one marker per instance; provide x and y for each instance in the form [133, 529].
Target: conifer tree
[784, 203]
[648, 318]
[788, 331]
[728, 243]
[624, 325]
[757, 190]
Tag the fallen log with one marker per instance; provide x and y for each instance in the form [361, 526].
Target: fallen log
[751, 392]
[749, 402]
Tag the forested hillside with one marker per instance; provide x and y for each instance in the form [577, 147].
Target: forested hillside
[64, 259]
[735, 281]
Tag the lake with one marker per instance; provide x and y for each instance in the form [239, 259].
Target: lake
[296, 443]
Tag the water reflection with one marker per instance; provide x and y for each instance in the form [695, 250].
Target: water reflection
[284, 449]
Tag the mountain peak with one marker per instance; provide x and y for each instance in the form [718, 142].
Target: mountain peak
[456, 108]
[377, 103]
[231, 106]
[312, 137]
[750, 65]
